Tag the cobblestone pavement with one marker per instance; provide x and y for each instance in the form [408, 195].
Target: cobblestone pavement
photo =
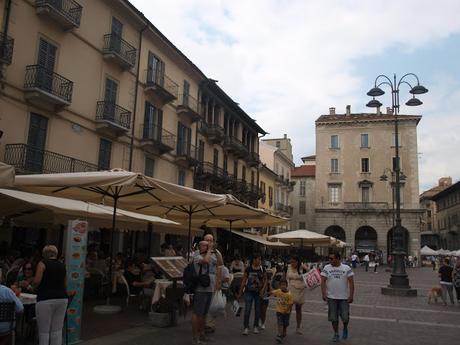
[375, 319]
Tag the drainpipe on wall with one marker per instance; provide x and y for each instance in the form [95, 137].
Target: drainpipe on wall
[5, 33]
[133, 129]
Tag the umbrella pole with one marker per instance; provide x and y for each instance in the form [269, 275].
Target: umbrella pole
[114, 220]
[150, 230]
[189, 233]
[230, 244]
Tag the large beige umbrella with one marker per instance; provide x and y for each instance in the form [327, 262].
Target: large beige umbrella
[30, 208]
[6, 175]
[303, 237]
[260, 239]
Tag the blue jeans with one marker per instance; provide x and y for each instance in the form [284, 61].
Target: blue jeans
[249, 297]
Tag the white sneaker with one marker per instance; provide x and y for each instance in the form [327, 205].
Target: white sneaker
[255, 330]
[246, 331]
[262, 326]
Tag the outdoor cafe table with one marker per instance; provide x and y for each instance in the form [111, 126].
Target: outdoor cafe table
[160, 289]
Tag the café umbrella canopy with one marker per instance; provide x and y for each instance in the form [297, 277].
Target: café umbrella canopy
[427, 251]
[303, 237]
[260, 239]
[29, 208]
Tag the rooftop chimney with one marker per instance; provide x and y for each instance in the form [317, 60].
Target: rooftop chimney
[348, 110]
[379, 112]
[285, 136]
[332, 111]
[389, 111]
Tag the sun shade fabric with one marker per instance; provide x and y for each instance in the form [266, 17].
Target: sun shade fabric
[25, 207]
[135, 192]
[427, 251]
[6, 175]
[303, 237]
[260, 239]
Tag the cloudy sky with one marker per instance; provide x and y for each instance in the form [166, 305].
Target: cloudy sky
[287, 61]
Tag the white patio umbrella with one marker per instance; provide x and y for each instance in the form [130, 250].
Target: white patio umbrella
[427, 251]
[260, 239]
[30, 208]
[443, 252]
[303, 237]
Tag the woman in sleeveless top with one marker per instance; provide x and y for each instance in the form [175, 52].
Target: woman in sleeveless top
[50, 283]
[297, 287]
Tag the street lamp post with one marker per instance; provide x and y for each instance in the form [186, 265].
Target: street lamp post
[399, 281]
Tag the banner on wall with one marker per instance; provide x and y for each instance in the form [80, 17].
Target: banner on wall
[77, 239]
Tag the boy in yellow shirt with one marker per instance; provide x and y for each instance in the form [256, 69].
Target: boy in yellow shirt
[284, 303]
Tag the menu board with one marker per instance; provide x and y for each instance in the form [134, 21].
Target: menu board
[172, 266]
[77, 238]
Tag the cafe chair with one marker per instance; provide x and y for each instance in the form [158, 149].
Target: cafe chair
[8, 314]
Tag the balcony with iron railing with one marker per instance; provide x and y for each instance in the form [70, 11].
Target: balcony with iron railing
[254, 159]
[112, 119]
[6, 49]
[47, 88]
[186, 153]
[155, 139]
[119, 51]
[31, 160]
[67, 13]
[188, 107]
[234, 146]
[209, 171]
[160, 86]
[213, 132]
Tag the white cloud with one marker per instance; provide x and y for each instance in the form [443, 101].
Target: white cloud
[286, 62]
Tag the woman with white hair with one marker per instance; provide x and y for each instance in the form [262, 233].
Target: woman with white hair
[50, 283]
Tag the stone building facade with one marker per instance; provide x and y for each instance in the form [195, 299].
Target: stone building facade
[353, 151]
[448, 216]
[303, 196]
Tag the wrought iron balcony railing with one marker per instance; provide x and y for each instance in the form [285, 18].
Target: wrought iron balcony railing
[123, 52]
[189, 106]
[254, 159]
[111, 112]
[66, 12]
[186, 150]
[159, 84]
[213, 132]
[31, 160]
[6, 49]
[42, 79]
[160, 138]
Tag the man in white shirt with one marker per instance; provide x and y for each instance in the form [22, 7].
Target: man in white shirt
[338, 287]
[366, 262]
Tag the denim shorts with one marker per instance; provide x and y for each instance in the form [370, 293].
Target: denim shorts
[338, 307]
[201, 303]
[282, 319]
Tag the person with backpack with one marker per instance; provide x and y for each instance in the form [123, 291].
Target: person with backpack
[204, 266]
[253, 285]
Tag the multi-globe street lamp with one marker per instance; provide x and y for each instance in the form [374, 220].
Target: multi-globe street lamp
[399, 281]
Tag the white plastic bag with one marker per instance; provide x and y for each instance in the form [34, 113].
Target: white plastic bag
[218, 303]
[236, 308]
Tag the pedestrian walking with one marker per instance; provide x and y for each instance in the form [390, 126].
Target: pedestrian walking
[456, 280]
[354, 260]
[252, 286]
[337, 287]
[284, 301]
[366, 262]
[297, 288]
[433, 262]
[376, 262]
[445, 275]
[205, 261]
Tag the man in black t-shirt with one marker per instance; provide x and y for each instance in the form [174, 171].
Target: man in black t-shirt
[445, 274]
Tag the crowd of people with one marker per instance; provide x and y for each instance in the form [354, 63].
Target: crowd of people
[255, 280]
